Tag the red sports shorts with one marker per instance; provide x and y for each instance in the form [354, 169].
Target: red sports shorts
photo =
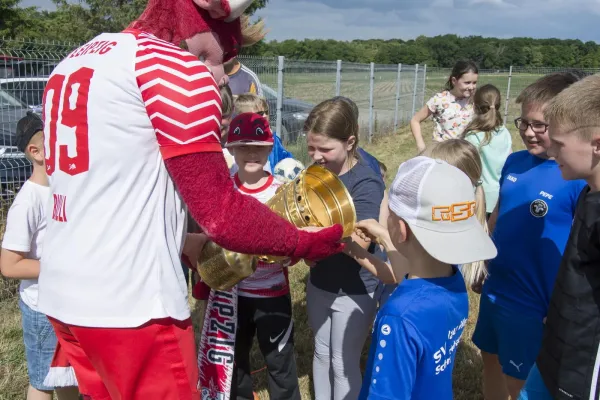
[154, 361]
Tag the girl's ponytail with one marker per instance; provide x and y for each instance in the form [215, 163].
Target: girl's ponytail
[486, 102]
[473, 272]
[464, 156]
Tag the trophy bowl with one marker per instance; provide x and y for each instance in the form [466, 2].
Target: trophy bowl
[316, 197]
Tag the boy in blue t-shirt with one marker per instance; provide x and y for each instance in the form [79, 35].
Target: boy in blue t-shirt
[432, 227]
[530, 227]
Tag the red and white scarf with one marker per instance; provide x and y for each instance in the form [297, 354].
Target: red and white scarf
[216, 355]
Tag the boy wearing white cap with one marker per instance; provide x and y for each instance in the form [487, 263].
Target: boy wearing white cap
[432, 227]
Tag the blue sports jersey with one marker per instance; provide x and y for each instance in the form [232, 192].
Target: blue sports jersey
[536, 210]
[278, 153]
[415, 339]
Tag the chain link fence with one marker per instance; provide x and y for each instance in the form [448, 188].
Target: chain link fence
[510, 82]
[387, 96]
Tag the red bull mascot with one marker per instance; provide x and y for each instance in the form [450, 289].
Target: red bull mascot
[132, 142]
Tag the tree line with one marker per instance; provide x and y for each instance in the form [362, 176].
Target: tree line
[443, 51]
[79, 22]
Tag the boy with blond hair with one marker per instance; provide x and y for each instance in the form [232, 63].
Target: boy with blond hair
[431, 229]
[568, 364]
[249, 102]
[20, 259]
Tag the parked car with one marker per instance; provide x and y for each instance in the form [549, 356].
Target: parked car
[294, 113]
[7, 64]
[15, 67]
[29, 90]
[15, 169]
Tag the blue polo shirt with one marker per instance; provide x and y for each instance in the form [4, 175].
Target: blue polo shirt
[536, 210]
[415, 339]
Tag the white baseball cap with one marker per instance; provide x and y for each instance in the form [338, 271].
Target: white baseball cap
[437, 201]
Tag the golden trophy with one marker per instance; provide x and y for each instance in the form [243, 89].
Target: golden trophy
[316, 197]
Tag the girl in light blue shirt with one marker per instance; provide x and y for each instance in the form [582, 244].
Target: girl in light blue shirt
[488, 133]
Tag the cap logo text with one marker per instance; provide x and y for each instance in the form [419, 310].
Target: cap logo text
[454, 212]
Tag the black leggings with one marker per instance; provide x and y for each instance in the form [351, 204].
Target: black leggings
[271, 320]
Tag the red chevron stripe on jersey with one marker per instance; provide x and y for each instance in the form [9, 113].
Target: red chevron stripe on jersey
[181, 97]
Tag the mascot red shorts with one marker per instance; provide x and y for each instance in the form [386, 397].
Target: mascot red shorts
[154, 361]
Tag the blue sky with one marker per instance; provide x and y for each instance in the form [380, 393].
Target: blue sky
[407, 19]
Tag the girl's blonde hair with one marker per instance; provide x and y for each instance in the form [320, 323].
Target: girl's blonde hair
[464, 156]
[487, 117]
[249, 102]
[336, 120]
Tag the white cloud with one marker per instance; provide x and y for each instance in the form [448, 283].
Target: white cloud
[407, 19]
[42, 4]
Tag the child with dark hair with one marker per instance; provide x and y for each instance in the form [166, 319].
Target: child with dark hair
[452, 108]
[21, 252]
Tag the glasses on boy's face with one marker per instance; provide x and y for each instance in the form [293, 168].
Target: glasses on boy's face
[536, 127]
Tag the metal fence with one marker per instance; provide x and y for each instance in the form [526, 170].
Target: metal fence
[510, 82]
[387, 95]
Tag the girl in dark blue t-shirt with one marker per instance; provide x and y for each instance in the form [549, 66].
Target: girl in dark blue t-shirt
[340, 294]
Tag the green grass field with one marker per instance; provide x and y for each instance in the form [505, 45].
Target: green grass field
[355, 83]
[390, 149]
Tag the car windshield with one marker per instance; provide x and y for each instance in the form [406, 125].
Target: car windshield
[7, 101]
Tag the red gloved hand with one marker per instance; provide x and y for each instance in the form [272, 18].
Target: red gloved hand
[315, 246]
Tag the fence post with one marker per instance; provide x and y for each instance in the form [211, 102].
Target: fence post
[371, 105]
[414, 105]
[507, 95]
[338, 78]
[424, 84]
[280, 97]
[398, 81]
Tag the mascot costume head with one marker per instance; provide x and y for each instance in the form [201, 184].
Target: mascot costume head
[210, 29]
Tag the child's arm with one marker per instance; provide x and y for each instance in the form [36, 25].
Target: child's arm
[415, 126]
[371, 231]
[493, 218]
[22, 223]
[384, 210]
[13, 264]
[385, 272]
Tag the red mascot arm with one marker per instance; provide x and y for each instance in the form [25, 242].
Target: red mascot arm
[241, 223]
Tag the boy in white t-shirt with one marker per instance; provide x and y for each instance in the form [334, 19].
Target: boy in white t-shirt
[21, 251]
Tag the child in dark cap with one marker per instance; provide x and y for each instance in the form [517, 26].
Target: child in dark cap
[20, 259]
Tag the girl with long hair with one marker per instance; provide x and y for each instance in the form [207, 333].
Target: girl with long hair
[493, 141]
[450, 109]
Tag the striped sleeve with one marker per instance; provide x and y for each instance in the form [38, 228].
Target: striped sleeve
[181, 98]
